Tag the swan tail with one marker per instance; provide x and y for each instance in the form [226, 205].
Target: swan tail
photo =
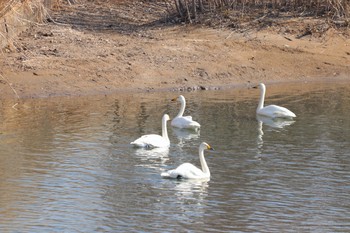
[194, 125]
[170, 174]
[285, 114]
[165, 175]
[135, 144]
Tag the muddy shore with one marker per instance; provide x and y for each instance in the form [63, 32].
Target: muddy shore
[98, 49]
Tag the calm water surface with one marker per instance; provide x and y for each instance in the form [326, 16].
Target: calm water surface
[66, 164]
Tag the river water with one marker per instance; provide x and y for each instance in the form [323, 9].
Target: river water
[66, 164]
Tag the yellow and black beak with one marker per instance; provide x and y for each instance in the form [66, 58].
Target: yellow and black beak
[210, 148]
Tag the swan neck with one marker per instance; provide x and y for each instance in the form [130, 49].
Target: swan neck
[182, 108]
[262, 98]
[204, 165]
[164, 129]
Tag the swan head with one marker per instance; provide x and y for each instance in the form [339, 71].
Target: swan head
[180, 98]
[260, 85]
[166, 117]
[205, 146]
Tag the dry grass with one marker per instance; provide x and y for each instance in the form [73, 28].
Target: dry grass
[31, 8]
[335, 10]
[16, 16]
[6, 6]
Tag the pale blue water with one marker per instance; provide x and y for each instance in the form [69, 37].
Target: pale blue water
[66, 164]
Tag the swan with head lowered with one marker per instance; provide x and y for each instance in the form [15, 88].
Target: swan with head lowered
[154, 140]
[272, 111]
[188, 170]
[184, 122]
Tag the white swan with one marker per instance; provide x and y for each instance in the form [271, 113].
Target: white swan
[272, 111]
[184, 122]
[189, 171]
[154, 140]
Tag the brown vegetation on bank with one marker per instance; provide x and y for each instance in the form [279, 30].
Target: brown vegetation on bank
[257, 14]
[106, 46]
[331, 9]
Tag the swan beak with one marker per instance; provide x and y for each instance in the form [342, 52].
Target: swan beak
[174, 99]
[210, 148]
[256, 87]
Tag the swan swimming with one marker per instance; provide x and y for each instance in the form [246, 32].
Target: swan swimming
[154, 140]
[189, 171]
[184, 122]
[272, 111]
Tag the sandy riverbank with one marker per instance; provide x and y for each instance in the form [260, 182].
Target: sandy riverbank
[92, 48]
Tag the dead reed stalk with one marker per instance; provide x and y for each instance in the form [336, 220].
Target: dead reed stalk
[10, 85]
[187, 10]
[16, 16]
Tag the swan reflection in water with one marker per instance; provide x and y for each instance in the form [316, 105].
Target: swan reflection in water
[275, 123]
[191, 187]
[190, 197]
[184, 135]
[153, 158]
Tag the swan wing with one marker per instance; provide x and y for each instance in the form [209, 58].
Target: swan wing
[185, 123]
[275, 111]
[151, 141]
[188, 117]
[186, 171]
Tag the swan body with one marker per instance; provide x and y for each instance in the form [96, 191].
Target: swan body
[184, 122]
[154, 140]
[273, 111]
[189, 171]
